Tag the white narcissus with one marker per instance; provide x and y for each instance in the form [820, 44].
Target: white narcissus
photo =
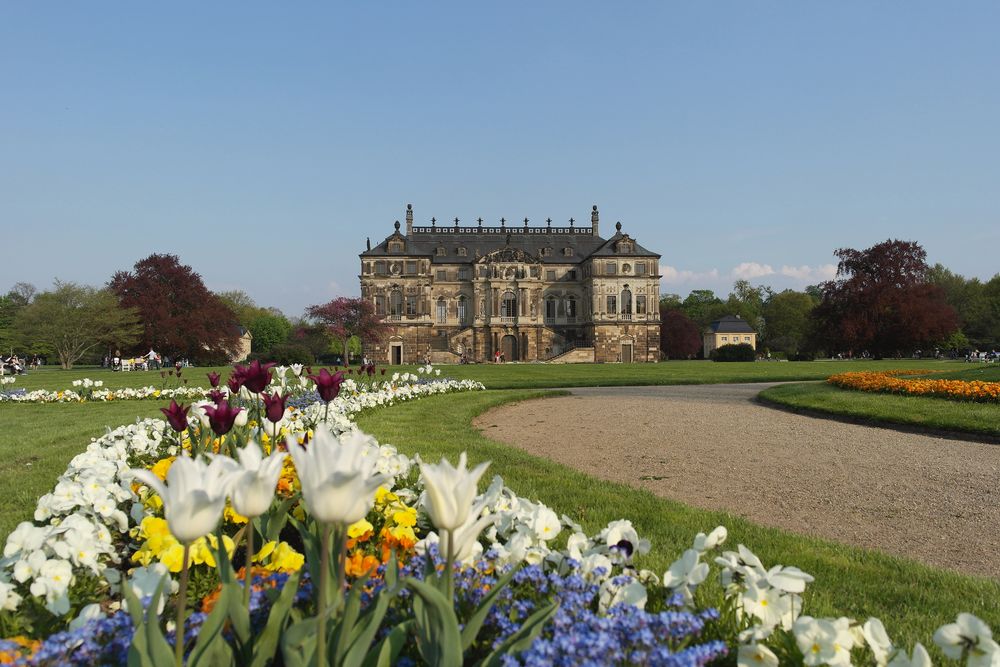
[253, 479]
[449, 491]
[338, 477]
[193, 497]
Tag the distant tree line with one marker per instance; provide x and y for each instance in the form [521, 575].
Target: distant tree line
[885, 301]
[163, 305]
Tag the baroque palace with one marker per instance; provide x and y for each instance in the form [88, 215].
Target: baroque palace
[554, 293]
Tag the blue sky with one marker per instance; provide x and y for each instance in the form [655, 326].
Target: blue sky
[262, 142]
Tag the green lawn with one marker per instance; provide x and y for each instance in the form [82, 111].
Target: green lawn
[532, 376]
[911, 598]
[977, 371]
[37, 442]
[920, 411]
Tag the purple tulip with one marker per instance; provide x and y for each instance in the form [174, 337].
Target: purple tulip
[222, 416]
[176, 416]
[214, 378]
[256, 376]
[371, 370]
[327, 385]
[274, 406]
[236, 379]
[216, 395]
[383, 371]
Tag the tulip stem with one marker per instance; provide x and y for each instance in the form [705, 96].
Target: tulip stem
[324, 574]
[449, 567]
[181, 608]
[247, 566]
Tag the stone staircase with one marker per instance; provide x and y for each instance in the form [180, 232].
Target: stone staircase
[578, 355]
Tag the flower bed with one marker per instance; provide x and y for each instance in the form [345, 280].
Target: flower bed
[889, 382]
[364, 554]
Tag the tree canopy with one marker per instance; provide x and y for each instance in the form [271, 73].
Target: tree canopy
[680, 338]
[787, 323]
[882, 302]
[345, 318]
[72, 320]
[180, 316]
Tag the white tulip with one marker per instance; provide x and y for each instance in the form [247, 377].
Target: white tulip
[338, 478]
[253, 479]
[449, 491]
[193, 498]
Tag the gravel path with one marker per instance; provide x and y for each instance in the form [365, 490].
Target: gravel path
[932, 499]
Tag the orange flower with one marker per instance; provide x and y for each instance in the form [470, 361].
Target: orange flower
[359, 564]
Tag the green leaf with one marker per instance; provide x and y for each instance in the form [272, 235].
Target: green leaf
[344, 631]
[266, 644]
[522, 639]
[270, 524]
[211, 629]
[475, 622]
[387, 650]
[298, 643]
[157, 647]
[365, 631]
[438, 637]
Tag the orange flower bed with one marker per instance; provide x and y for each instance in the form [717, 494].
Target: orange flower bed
[889, 382]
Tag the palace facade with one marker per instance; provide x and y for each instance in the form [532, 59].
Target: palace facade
[553, 293]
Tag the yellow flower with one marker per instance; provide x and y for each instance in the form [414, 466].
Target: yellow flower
[161, 467]
[232, 516]
[173, 557]
[279, 557]
[384, 496]
[405, 517]
[359, 528]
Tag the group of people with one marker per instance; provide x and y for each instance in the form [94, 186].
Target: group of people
[152, 360]
[17, 366]
[499, 357]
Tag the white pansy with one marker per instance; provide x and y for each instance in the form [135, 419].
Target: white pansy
[9, 599]
[143, 581]
[614, 592]
[767, 605]
[545, 523]
[703, 542]
[878, 640]
[686, 571]
[919, 658]
[756, 655]
[89, 613]
[970, 635]
[788, 579]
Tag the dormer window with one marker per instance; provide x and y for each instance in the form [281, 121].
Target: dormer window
[462, 251]
[567, 252]
[441, 251]
[623, 247]
[396, 246]
[546, 252]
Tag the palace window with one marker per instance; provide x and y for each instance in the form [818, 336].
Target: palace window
[508, 305]
[612, 304]
[442, 311]
[570, 307]
[640, 269]
[379, 268]
[411, 268]
[550, 274]
[461, 309]
[465, 273]
[395, 303]
[411, 305]
[571, 274]
[380, 305]
[627, 301]
[546, 252]
[534, 272]
[640, 304]
[550, 308]
[462, 251]
[442, 275]
[610, 269]
[395, 246]
[567, 252]
[441, 251]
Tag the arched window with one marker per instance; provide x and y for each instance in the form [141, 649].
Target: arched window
[508, 304]
[396, 303]
[627, 301]
[442, 311]
[461, 310]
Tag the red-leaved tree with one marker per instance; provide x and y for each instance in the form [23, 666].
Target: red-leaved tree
[180, 316]
[881, 301]
[345, 318]
[679, 335]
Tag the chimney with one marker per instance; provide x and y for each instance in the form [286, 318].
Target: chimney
[594, 220]
[409, 219]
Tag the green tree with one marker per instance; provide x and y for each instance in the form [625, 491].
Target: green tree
[701, 306]
[72, 320]
[970, 300]
[268, 330]
[787, 321]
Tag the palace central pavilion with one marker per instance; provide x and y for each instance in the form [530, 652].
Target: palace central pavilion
[457, 292]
